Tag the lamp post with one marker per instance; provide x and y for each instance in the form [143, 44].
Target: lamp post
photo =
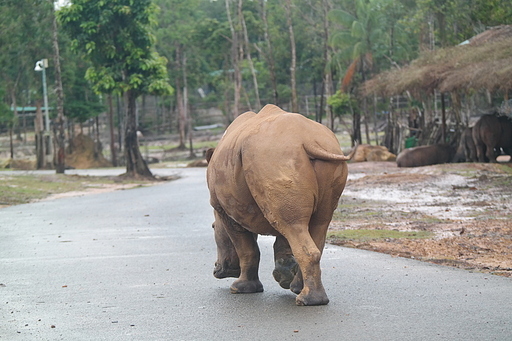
[41, 65]
[46, 140]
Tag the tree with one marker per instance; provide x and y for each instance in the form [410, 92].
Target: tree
[7, 118]
[236, 56]
[59, 91]
[28, 25]
[357, 42]
[177, 31]
[293, 52]
[269, 54]
[115, 36]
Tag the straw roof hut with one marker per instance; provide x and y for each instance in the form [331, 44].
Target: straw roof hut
[483, 62]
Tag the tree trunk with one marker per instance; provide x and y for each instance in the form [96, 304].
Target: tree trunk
[188, 117]
[11, 144]
[39, 128]
[248, 55]
[293, 66]
[181, 114]
[327, 79]
[235, 59]
[374, 116]
[135, 164]
[59, 129]
[443, 119]
[356, 127]
[270, 54]
[366, 120]
[113, 155]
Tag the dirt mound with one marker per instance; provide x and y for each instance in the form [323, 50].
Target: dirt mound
[85, 154]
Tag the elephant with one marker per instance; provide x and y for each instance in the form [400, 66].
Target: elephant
[492, 132]
[466, 151]
[281, 174]
[425, 155]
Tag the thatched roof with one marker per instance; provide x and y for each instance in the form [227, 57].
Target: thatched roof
[482, 62]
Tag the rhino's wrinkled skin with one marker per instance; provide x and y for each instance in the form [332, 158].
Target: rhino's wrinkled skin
[275, 173]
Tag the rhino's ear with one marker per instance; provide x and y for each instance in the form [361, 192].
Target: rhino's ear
[209, 154]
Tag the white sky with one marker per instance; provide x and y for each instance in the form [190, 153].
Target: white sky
[61, 3]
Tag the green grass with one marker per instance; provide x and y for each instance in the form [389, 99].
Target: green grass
[21, 189]
[373, 235]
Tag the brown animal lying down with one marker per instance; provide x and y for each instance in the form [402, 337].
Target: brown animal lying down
[275, 173]
[425, 155]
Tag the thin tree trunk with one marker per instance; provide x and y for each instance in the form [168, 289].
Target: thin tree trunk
[182, 116]
[59, 129]
[113, 155]
[293, 66]
[327, 79]
[121, 122]
[235, 59]
[11, 144]
[40, 146]
[443, 119]
[15, 109]
[135, 164]
[270, 54]
[248, 55]
[188, 117]
[375, 119]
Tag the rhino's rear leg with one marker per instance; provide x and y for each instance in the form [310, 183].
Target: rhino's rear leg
[228, 263]
[285, 265]
[238, 254]
[308, 256]
[249, 254]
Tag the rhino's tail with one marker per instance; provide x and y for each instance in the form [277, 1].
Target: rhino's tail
[316, 152]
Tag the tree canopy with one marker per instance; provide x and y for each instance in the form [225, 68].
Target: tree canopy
[116, 38]
[237, 55]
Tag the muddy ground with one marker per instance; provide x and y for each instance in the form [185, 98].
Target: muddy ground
[467, 207]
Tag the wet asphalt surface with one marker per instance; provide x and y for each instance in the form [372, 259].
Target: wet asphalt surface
[137, 265]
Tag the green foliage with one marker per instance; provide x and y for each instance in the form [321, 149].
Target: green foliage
[342, 103]
[116, 37]
[117, 41]
[24, 39]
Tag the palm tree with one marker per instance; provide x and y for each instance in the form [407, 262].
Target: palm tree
[357, 43]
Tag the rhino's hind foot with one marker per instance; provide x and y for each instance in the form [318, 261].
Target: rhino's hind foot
[224, 272]
[312, 298]
[285, 271]
[246, 287]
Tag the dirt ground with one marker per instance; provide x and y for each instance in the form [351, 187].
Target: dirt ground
[467, 207]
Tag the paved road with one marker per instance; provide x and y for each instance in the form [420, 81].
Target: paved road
[137, 265]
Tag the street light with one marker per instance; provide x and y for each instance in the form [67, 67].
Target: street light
[41, 65]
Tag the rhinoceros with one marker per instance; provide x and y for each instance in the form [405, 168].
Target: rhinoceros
[281, 174]
[490, 133]
[425, 155]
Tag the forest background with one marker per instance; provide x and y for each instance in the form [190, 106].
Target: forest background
[230, 56]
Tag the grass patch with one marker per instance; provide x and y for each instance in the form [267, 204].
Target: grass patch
[22, 189]
[364, 235]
